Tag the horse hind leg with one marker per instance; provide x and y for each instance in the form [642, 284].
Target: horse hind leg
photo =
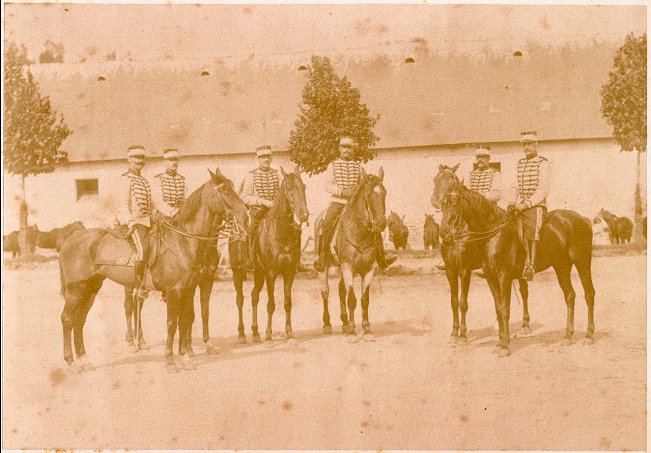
[585, 274]
[563, 275]
[238, 281]
[288, 281]
[523, 285]
[325, 294]
[463, 305]
[271, 304]
[258, 283]
[453, 281]
[173, 300]
[129, 316]
[343, 293]
[205, 288]
[366, 290]
[89, 292]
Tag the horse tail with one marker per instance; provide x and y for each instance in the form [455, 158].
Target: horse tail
[62, 277]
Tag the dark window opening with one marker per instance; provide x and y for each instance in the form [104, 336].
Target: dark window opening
[205, 74]
[302, 68]
[517, 53]
[409, 60]
[86, 187]
[101, 79]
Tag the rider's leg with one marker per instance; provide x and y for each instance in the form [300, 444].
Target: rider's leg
[382, 261]
[327, 231]
[142, 253]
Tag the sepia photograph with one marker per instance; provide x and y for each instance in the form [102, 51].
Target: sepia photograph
[354, 226]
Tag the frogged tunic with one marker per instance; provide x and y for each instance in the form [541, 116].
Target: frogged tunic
[344, 174]
[487, 182]
[260, 185]
[168, 193]
[533, 181]
[134, 200]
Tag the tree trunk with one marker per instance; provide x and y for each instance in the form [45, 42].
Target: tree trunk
[637, 230]
[23, 239]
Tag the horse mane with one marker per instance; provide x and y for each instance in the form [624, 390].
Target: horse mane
[483, 211]
[190, 206]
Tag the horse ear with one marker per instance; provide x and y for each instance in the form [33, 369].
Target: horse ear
[403, 217]
[364, 175]
[212, 175]
[282, 171]
[441, 167]
[218, 172]
[455, 168]
[297, 170]
[380, 174]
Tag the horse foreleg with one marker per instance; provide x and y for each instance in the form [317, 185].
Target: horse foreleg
[86, 302]
[258, 283]
[129, 314]
[585, 274]
[505, 281]
[366, 289]
[205, 288]
[463, 304]
[325, 294]
[173, 300]
[524, 292]
[288, 280]
[186, 320]
[343, 293]
[453, 281]
[563, 276]
[238, 281]
[347, 275]
[72, 297]
[270, 281]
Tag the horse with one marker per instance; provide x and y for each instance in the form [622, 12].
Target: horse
[11, 241]
[462, 255]
[565, 241]
[361, 221]
[277, 250]
[430, 233]
[620, 228]
[398, 231]
[174, 268]
[55, 238]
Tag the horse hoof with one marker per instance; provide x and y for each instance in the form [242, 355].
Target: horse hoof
[132, 347]
[352, 338]
[292, 341]
[241, 340]
[143, 346]
[344, 329]
[327, 330]
[188, 363]
[190, 352]
[496, 349]
[369, 337]
[257, 339]
[504, 352]
[588, 341]
[453, 339]
[86, 365]
[73, 368]
[211, 349]
[269, 344]
[566, 342]
[171, 368]
[128, 337]
[463, 341]
[526, 330]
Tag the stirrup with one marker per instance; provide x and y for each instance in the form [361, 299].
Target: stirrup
[319, 265]
[388, 261]
[248, 266]
[528, 272]
[301, 268]
[141, 292]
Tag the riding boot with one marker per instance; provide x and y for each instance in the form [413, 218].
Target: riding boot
[319, 263]
[382, 261]
[530, 249]
[441, 266]
[248, 265]
[141, 289]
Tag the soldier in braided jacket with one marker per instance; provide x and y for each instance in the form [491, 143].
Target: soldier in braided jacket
[260, 191]
[135, 208]
[168, 191]
[531, 189]
[345, 174]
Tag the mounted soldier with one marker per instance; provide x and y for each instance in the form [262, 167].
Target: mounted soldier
[345, 174]
[168, 191]
[531, 189]
[260, 190]
[135, 209]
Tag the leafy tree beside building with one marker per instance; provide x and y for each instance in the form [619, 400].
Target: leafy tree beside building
[331, 107]
[33, 131]
[624, 106]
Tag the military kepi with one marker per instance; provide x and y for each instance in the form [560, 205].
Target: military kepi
[483, 150]
[264, 150]
[528, 137]
[171, 153]
[136, 150]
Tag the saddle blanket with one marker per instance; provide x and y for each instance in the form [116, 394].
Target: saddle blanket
[114, 251]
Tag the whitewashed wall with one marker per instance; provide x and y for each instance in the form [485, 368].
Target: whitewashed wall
[586, 176]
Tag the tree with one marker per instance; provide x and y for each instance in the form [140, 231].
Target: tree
[53, 53]
[33, 132]
[623, 105]
[331, 107]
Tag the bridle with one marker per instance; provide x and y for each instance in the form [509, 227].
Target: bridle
[291, 214]
[370, 218]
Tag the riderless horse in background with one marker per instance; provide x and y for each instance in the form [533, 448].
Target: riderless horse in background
[358, 228]
[620, 228]
[398, 231]
[55, 238]
[565, 241]
[174, 264]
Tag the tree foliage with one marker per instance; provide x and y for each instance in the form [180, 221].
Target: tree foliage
[53, 53]
[623, 102]
[33, 132]
[331, 107]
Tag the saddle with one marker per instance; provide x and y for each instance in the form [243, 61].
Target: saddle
[117, 249]
[332, 246]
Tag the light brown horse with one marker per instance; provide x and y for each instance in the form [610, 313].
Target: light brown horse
[358, 229]
[174, 269]
[278, 249]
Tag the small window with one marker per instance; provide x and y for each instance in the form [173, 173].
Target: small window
[101, 79]
[302, 68]
[205, 74]
[517, 53]
[409, 60]
[86, 187]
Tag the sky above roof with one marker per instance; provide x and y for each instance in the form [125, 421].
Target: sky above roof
[208, 31]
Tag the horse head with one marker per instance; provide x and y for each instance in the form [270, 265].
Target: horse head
[222, 199]
[294, 189]
[444, 183]
[371, 192]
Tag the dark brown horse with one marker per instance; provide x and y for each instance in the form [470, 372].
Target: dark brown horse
[398, 231]
[620, 229]
[357, 231]
[11, 242]
[278, 249]
[55, 238]
[174, 269]
[462, 254]
[430, 233]
[565, 241]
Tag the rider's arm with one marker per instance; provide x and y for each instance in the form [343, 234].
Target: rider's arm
[248, 194]
[331, 184]
[544, 176]
[156, 195]
[496, 189]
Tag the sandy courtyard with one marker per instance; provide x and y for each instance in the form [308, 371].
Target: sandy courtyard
[408, 390]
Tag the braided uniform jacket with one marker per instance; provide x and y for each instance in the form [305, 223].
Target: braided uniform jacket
[529, 177]
[266, 183]
[482, 181]
[172, 192]
[345, 175]
[137, 200]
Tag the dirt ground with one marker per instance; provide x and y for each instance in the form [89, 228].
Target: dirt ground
[408, 390]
